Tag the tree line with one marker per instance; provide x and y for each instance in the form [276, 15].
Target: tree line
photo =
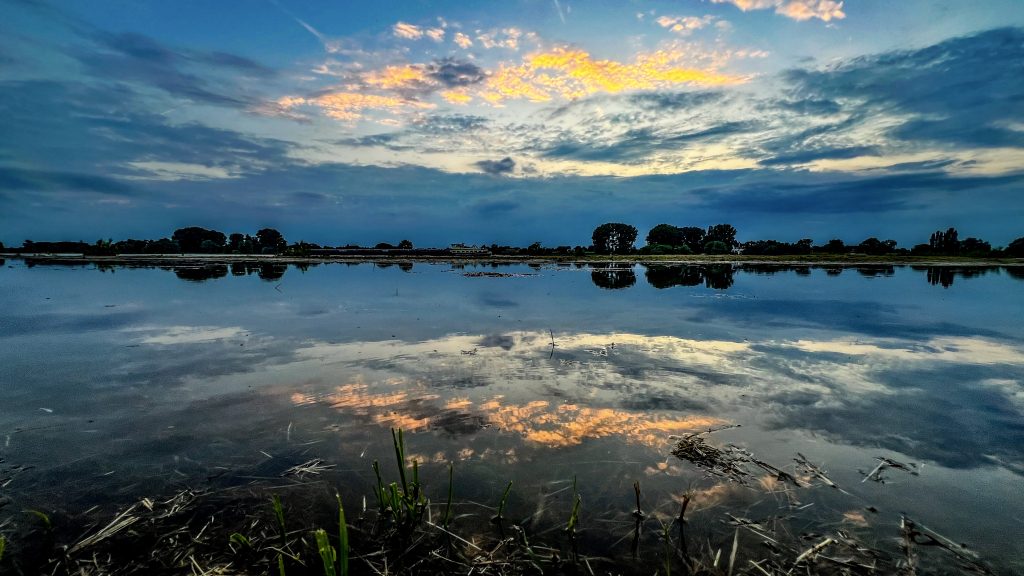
[619, 238]
[190, 240]
[608, 238]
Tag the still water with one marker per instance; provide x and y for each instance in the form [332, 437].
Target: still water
[120, 383]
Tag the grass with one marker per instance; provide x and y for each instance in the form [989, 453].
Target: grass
[403, 501]
[234, 531]
[497, 518]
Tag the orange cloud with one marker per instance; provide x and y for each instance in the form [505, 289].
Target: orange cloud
[435, 34]
[684, 25]
[396, 77]
[351, 105]
[572, 73]
[407, 31]
[800, 10]
[463, 41]
[456, 97]
[507, 38]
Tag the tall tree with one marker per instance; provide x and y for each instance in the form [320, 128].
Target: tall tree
[1015, 248]
[693, 236]
[191, 239]
[270, 240]
[614, 238]
[666, 234]
[724, 233]
[945, 242]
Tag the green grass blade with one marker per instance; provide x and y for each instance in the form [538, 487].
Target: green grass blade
[399, 440]
[279, 514]
[240, 540]
[43, 517]
[3, 544]
[574, 516]
[451, 489]
[378, 490]
[280, 565]
[342, 540]
[501, 505]
[323, 546]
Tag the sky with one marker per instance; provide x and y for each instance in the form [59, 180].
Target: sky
[511, 122]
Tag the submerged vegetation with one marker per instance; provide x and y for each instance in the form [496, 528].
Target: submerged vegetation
[254, 530]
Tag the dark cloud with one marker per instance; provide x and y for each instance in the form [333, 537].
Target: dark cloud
[130, 57]
[422, 134]
[75, 125]
[959, 91]
[809, 106]
[496, 207]
[640, 143]
[19, 180]
[497, 167]
[452, 73]
[449, 124]
[820, 154]
[671, 101]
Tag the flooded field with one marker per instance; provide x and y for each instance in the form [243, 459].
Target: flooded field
[855, 409]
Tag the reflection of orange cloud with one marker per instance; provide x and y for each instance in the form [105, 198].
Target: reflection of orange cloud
[537, 421]
[569, 425]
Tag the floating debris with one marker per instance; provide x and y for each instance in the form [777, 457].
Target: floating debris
[729, 461]
[886, 463]
[816, 472]
[311, 468]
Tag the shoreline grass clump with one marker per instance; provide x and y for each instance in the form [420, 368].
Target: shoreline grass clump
[305, 531]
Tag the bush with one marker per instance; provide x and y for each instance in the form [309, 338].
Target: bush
[716, 247]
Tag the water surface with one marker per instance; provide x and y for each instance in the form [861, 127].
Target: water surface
[120, 383]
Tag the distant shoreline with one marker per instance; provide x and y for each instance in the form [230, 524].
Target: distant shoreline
[813, 259]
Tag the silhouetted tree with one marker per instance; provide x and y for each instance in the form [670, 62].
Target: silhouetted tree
[270, 241]
[876, 247]
[693, 236]
[834, 246]
[191, 239]
[384, 246]
[723, 233]
[1015, 248]
[945, 242]
[975, 247]
[163, 246]
[405, 245]
[665, 234]
[614, 238]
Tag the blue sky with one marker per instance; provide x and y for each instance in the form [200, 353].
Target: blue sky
[512, 122]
